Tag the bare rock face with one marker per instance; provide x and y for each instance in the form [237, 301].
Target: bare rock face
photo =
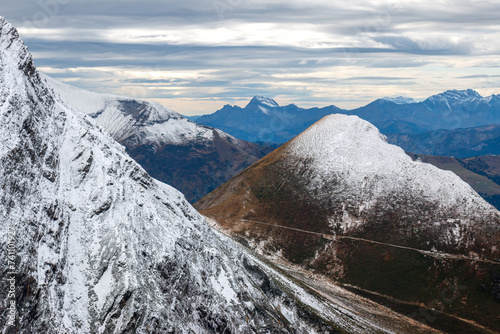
[95, 245]
[340, 201]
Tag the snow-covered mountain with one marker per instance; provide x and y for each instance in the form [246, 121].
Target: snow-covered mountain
[338, 199]
[262, 102]
[95, 245]
[264, 120]
[455, 97]
[193, 158]
[131, 121]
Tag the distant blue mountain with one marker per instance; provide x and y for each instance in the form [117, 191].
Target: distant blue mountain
[192, 118]
[459, 143]
[263, 120]
[452, 109]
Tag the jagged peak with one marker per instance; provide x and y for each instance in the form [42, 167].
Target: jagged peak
[10, 43]
[462, 93]
[13, 52]
[19, 79]
[456, 94]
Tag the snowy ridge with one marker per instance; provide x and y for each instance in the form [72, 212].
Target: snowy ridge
[399, 100]
[101, 246]
[138, 120]
[453, 97]
[461, 94]
[354, 150]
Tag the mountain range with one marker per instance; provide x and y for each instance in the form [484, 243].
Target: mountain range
[193, 158]
[460, 143]
[96, 245]
[340, 201]
[263, 120]
[458, 123]
[452, 109]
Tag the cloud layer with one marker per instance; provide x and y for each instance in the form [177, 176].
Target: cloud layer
[195, 56]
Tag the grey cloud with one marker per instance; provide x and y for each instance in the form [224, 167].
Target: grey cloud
[443, 33]
[479, 76]
[431, 47]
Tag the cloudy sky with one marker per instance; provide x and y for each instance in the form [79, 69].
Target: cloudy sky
[194, 56]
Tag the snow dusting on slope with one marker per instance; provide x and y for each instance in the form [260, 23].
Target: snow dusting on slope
[138, 122]
[354, 150]
[266, 101]
[400, 100]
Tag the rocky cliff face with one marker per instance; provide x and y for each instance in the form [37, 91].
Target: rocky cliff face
[339, 200]
[95, 245]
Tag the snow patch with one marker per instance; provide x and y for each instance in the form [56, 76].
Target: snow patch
[103, 287]
[264, 110]
[222, 284]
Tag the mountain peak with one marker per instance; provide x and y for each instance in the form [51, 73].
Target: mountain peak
[456, 94]
[263, 101]
[348, 143]
[13, 49]
[362, 190]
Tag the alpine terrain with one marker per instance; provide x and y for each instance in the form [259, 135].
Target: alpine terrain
[339, 201]
[193, 158]
[451, 109]
[91, 243]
